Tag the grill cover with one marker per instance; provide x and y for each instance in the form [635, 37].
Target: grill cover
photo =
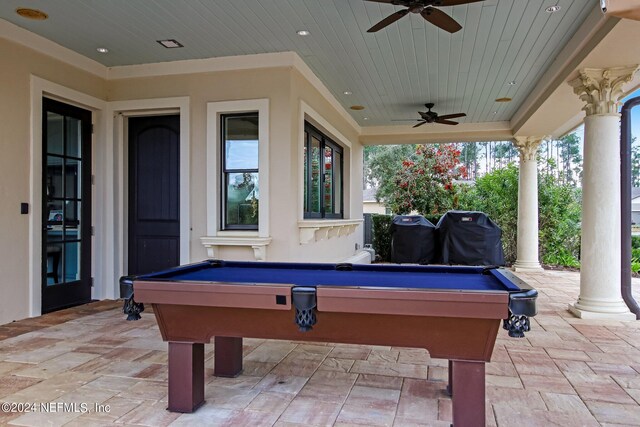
[413, 239]
[469, 238]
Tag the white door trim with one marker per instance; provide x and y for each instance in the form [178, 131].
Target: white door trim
[117, 111]
[40, 88]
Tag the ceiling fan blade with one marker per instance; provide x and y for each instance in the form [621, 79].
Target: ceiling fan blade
[441, 19]
[388, 20]
[420, 124]
[453, 2]
[445, 122]
[451, 116]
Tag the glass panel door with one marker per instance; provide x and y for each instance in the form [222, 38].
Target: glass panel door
[66, 203]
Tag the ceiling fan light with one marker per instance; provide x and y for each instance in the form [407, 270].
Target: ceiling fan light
[552, 9]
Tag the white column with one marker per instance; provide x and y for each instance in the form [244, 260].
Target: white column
[527, 239]
[600, 293]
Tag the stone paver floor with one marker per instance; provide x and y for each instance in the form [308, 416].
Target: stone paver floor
[566, 372]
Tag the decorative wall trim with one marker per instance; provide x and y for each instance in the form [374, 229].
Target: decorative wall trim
[258, 244]
[316, 230]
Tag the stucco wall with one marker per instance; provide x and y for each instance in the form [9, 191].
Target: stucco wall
[285, 88]
[17, 64]
[203, 88]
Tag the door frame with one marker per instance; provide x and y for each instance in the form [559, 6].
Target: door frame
[118, 112]
[43, 88]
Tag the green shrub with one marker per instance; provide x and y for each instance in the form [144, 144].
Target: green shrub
[382, 235]
[635, 242]
[496, 194]
[561, 257]
[559, 222]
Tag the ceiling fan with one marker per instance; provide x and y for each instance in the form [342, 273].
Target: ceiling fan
[433, 117]
[424, 8]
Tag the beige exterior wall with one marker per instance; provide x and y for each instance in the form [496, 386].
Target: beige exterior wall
[374, 208]
[17, 64]
[291, 97]
[203, 88]
[285, 88]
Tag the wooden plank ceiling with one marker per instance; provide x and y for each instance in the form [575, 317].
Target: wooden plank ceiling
[393, 72]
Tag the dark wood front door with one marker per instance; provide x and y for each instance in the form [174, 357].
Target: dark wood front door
[66, 201]
[154, 193]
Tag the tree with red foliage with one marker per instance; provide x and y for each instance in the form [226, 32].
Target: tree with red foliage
[426, 182]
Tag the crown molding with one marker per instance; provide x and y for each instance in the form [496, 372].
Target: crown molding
[464, 132]
[206, 65]
[47, 47]
[308, 74]
[233, 63]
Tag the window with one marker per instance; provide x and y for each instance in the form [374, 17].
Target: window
[322, 175]
[240, 189]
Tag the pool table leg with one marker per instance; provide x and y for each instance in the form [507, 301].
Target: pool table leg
[467, 384]
[186, 376]
[227, 357]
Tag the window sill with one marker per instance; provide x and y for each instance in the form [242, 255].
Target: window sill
[258, 244]
[316, 230]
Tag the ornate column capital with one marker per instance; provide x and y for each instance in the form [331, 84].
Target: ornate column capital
[601, 89]
[528, 146]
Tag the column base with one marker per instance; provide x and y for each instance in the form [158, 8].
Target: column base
[527, 266]
[593, 313]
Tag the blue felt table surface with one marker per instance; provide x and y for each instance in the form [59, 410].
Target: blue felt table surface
[420, 277]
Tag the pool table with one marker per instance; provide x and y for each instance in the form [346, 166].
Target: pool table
[453, 312]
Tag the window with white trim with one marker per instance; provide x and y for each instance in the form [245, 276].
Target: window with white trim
[323, 172]
[239, 161]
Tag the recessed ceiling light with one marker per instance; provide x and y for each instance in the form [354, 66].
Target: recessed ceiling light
[495, 112]
[35, 14]
[552, 9]
[347, 92]
[503, 99]
[512, 83]
[365, 118]
[102, 50]
[302, 32]
[357, 107]
[170, 43]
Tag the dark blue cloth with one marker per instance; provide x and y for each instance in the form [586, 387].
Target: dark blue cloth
[419, 277]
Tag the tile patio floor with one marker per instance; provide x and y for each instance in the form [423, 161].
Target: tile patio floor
[566, 372]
